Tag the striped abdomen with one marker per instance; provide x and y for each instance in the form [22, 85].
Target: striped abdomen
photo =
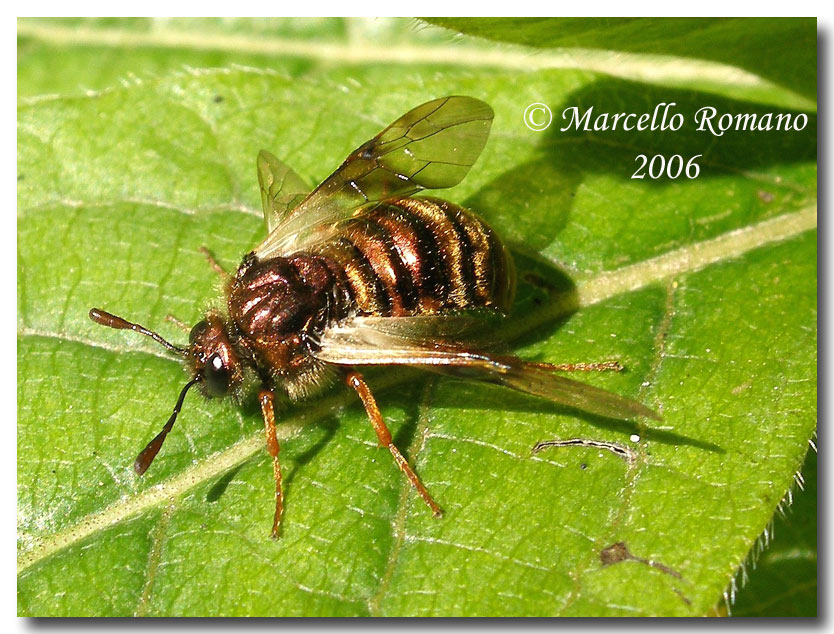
[413, 256]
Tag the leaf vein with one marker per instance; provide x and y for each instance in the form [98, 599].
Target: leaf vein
[609, 284]
[636, 66]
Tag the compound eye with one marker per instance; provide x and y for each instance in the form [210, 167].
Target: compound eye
[197, 331]
[217, 376]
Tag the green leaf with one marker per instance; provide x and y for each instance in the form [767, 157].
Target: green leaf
[782, 50]
[704, 289]
[766, 60]
[783, 578]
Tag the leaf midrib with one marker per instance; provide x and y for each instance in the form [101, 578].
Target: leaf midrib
[604, 286]
[468, 53]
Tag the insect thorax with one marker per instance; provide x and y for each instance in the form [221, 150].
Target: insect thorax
[278, 309]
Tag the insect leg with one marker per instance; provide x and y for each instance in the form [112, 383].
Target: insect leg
[357, 382]
[267, 399]
[602, 366]
[214, 264]
[177, 322]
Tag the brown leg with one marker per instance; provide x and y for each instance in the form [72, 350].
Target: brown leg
[616, 366]
[267, 399]
[179, 324]
[214, 264]
[355, 380]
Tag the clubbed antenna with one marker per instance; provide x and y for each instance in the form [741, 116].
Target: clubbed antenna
[112, 321]
[146, 456]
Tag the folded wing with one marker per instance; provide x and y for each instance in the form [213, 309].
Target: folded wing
[389, 341]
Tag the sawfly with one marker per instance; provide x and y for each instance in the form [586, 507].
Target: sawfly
[362, 272]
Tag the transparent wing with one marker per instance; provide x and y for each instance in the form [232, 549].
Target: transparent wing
[469, 329]
[392, 341]
[281, 189]
[430, 147]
